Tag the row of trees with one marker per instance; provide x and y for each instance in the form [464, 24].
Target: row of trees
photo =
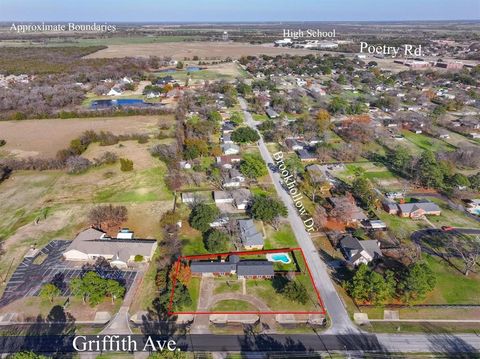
[91, 287]
[409, 285]
[430, 171]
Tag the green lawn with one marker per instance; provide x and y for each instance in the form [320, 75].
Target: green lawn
[400, 227]
[452, 286]
[192, 245]
[145, 186]
[194, 291]
[232, 305]
[283, 238]
[424, 142]
[226, 286]
[259, 117]
[264, 290]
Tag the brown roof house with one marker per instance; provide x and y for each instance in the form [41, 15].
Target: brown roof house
[418, 209]
[120, 251]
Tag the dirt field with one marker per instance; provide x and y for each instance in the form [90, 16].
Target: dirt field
[24, 138]
[204, 50]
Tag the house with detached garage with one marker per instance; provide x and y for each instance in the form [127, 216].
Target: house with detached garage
[121, 251]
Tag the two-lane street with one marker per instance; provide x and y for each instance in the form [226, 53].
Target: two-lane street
[340, 321]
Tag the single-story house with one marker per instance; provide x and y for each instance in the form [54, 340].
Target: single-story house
[164, 80]
[227, 138]
[228, 127]
[418, 209]
[234, 179]
[115, 91]
[376, 224]
[241, 197]
[294, 145]
[189, 197]
[228, 161]
[390, 207]
[271, 113]
[306, 156]
[93, 243]
[249, 235]
[357, 215]
[233, 265]
[319, 178]
[358, 252]
[230, 149]
[221, 197]
[220, 221]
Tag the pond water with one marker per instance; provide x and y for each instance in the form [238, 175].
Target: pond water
[124, 102]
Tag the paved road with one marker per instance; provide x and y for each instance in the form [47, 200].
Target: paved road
[453, 346]
[120, 324]
[340, 320]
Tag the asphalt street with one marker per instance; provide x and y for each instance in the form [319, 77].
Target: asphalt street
[454, 346]
[340, 321]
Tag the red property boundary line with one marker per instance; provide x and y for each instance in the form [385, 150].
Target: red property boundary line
[226, 254]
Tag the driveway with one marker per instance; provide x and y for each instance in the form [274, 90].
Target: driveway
[339, 317]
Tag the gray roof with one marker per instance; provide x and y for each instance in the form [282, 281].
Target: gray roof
[351, 244]
[93, 241]
[306, 155]
[212, 267]
[249, 233]
[271, 112]
[412, 207]
[247, 268]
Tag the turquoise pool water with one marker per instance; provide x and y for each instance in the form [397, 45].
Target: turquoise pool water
[477, 211]
[281, 257]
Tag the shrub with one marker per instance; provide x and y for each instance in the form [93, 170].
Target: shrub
[77, 164]
[2, 143]
[126, 165]
[138, 258]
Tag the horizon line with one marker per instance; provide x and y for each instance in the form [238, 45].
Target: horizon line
[238, 21]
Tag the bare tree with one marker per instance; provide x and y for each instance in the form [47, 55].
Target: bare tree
[468, 249]
[108, 217]
[320, 216]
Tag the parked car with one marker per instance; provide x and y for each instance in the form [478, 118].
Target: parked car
[447, 228]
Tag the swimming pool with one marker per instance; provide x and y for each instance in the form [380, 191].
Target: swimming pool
[279, 257]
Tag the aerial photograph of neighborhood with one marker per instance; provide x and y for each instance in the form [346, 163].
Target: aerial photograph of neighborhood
[227, 179]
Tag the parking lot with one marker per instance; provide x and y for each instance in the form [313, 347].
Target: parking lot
[29, 277]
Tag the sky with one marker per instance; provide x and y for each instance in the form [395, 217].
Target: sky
[237, 10]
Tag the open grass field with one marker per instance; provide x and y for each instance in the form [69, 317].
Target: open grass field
[380, 175]
[423, 142]
[43, 138]
[99, 41]
[225, 71]
[202, 49]
[452, 286]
